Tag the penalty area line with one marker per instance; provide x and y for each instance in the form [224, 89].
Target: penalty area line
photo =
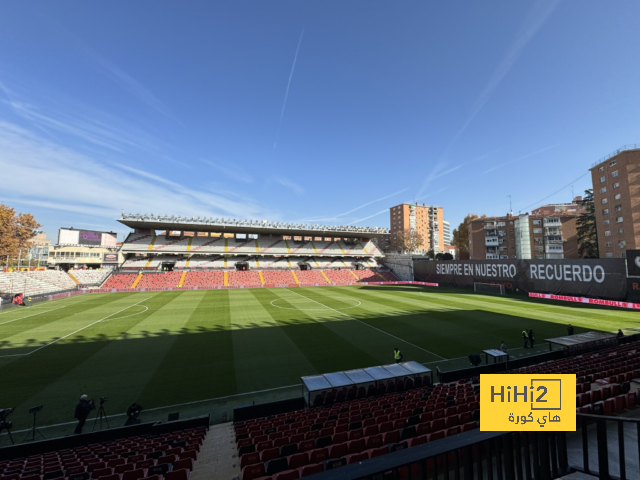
[370, 326]
[79, 330]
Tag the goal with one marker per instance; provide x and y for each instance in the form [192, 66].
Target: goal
[488, 288]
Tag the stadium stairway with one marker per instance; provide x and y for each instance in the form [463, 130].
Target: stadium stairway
[73, 278]
[218, 457]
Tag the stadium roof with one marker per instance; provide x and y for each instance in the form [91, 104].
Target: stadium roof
[229, 225]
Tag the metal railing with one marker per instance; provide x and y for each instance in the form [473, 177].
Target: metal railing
[609, 462]
[470, 455]
[631, 146]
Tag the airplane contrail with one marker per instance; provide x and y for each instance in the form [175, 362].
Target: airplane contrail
[286, 93]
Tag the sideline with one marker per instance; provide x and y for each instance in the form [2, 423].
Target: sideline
[371, 326]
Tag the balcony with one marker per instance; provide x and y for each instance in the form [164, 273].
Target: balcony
[552, 222]
[552, 231]
[492, 256]
[491, 241]
[553, 239]
[492, 250]
[491, 233]
[553, 248]
[490, 225]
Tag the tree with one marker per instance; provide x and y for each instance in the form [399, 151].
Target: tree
[586, 227]
[430, 253]
[16, 231]
[447, 256]
[461, 235]
[409, 241]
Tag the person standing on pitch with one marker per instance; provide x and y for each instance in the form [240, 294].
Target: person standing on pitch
[503, 347]
[531, 338]
[525, 337]
[570, 330]
[397, 355]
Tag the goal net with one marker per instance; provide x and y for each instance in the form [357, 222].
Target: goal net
[488, 288]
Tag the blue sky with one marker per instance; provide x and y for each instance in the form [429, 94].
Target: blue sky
[325, 111]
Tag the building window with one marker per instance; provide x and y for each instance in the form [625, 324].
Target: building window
[616, 185]
[607, 244]
[606, 222]
[618, 208]
[622, 244]
[617, 196]
[623, 255]
[607, 233]
[614, 173]
[605, 211]
[609, 255]
[603, 179]
[603, 190]
[601, 169]
[619, 220]
[613, 163]
[605, 200]
[537, 222]
[621, 231]
[537, 230]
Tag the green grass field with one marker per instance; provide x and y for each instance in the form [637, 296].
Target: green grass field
[169, 348]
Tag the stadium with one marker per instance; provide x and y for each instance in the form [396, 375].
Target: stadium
[279, 338]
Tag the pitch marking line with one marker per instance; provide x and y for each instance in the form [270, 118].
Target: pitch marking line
[32, 315]
[79, 330]
[370, 326]
[309, 309]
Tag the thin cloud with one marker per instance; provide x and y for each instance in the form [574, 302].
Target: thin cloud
[518, 159]
[53, 114]
[370, 216]
[119, 76]
[286, 93]
[288, 184]
[64, 179]
[357, 208]
[532, 23]
[236, 175]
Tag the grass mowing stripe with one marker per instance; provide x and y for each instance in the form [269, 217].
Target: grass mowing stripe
[199, 361]
[321, 340]
[109, 363]
[371, 326]
[266, 354]
[460, 332]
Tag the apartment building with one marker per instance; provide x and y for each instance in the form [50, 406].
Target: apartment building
[523, 237]
[573, 208]
[426, 220]
[616, 194]
[446, 228]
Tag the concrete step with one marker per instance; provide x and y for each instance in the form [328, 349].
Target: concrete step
[218, 457]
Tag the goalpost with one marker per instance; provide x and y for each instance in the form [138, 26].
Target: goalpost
[488, 288]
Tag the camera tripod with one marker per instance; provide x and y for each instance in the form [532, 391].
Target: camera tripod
[102, 414]
[3, 426]
[33, 430]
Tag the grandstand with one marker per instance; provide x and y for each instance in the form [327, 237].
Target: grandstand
[351, 425]
[254, 255]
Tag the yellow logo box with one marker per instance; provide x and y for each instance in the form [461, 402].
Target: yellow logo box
[518, 402]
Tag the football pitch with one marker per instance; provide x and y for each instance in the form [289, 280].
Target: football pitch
[181, 349]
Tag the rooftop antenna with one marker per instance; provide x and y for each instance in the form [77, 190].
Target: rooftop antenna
[510, 206]
[572, 194]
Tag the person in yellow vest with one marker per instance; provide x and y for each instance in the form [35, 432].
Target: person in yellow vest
[525, 337]
[397, 355]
